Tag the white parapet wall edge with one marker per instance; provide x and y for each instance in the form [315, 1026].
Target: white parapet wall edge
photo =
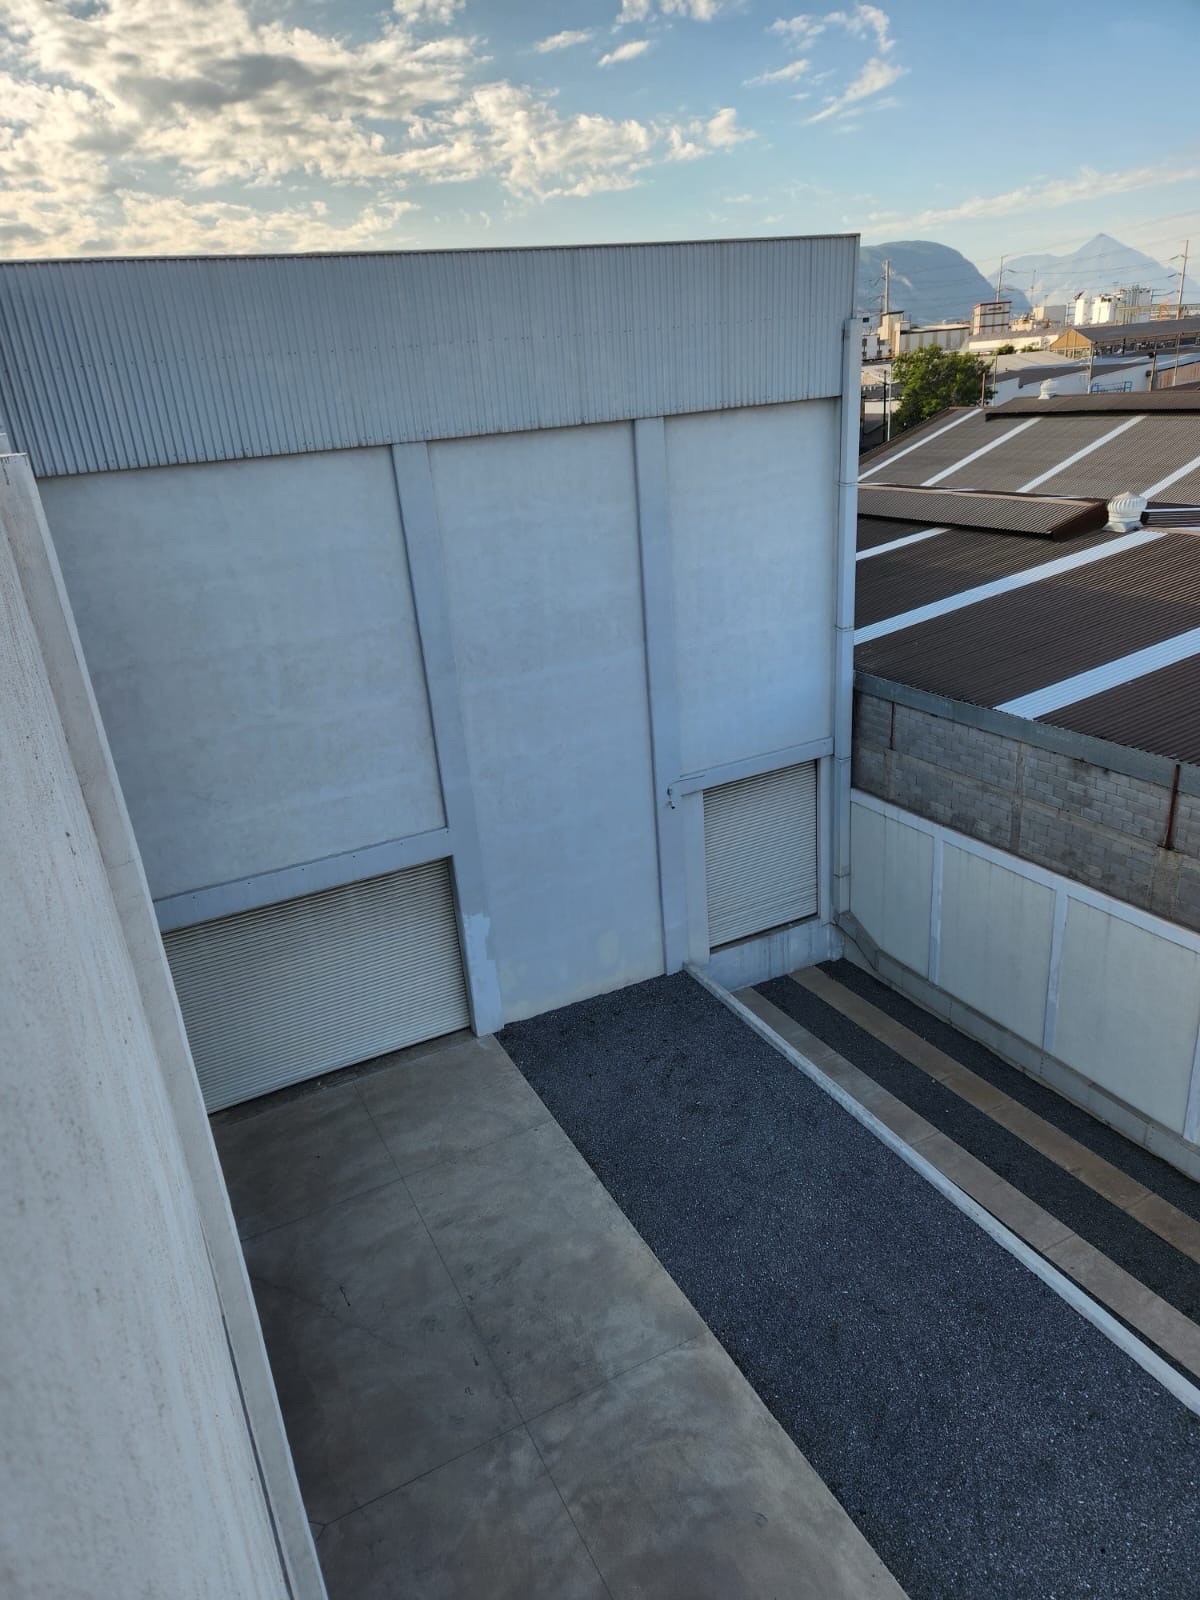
[1097, 997]
[194, 1180]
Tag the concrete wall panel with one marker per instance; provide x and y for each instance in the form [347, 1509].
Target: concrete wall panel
[249, 630]
[1128, 1011]
[753, 511]
[539, 539]
[124, 1452]
[891, 869]
[996, 929]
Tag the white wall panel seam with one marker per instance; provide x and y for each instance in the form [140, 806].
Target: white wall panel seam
[422, 537]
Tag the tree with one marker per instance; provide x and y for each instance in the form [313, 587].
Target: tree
[1006, 350]
[929, 380]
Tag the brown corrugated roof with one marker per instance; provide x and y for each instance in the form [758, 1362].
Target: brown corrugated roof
[869, 458]
[1042, 516]
[1036, 635]
[1088, 405]
[955, 561]
[873, 531]
[1030, 453]
[1158, 712]
[1137, 459]
[1106, 333]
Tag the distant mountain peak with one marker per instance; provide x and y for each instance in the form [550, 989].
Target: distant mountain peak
[930, 282]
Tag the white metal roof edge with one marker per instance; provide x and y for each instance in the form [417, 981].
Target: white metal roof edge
[139, 362]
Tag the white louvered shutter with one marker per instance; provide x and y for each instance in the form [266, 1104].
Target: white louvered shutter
[760, 852]
[288, 991]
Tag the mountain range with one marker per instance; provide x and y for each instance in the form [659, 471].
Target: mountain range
[1101, 264]
[931, 282]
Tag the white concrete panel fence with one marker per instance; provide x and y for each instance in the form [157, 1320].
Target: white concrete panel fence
[1099, 998]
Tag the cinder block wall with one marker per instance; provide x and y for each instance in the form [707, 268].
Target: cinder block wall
[1102, 826]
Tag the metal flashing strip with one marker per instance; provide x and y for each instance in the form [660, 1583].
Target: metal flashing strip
[749, 767]
[1053, 1277]
[1044, 477]
[983, 450]
[908, 450]
[1015, 580]
[899, 544]
[1056, 696]
[184, 910]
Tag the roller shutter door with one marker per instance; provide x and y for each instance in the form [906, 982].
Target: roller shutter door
[284, 992]
[760, 852]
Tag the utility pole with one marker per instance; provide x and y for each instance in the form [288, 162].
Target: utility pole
[887, 385]
[1182, 278]
[1000, 276]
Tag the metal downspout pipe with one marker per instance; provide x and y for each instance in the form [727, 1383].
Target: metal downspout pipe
[843, 685]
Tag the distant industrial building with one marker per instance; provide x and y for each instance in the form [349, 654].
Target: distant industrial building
[991, 318]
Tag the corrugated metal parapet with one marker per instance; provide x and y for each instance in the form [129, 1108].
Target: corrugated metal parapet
[149, 362]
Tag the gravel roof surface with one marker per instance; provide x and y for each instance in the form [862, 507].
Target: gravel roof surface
[990, 1443]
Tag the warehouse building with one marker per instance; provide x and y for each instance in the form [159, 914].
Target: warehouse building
[448, 620]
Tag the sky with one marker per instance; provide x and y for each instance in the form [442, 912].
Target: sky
[183, 126]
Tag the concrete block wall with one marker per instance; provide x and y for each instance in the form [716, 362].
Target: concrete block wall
[1103, 827]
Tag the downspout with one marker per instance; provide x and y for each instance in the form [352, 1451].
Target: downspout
[843, 671]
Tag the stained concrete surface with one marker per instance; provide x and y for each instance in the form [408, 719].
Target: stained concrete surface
[491, 1386]
[986, 1438]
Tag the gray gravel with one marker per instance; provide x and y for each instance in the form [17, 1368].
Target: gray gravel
[989, 1442]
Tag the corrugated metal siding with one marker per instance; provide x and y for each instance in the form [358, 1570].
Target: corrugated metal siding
[285, 992]
[760, 852]
[956, 560]
[1158, 712]
[1015, 643]
[134, 363]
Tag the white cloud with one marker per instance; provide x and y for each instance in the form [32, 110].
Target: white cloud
[1043, 194]
[563, 41]
[689, 140]
[721, 130]
[800, 30]
[876, 76]
[177, 125]
[625, 52]
[794, 69]
[696, 10]
[861, 21]
[864, 20]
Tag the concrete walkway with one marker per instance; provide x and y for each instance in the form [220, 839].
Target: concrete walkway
[491, 1385]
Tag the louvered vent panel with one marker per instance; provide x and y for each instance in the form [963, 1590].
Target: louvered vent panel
[285, 992]
[760, 852]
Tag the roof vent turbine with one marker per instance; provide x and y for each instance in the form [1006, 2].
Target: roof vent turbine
[1048, 389]
[1125, 512]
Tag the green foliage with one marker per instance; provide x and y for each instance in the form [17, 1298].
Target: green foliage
[929, 380]
[1006, 350]
[1025, 348]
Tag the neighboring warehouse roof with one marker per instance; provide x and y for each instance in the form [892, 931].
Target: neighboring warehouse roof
[1161, 329]
[1098, 632]
[151, 362]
